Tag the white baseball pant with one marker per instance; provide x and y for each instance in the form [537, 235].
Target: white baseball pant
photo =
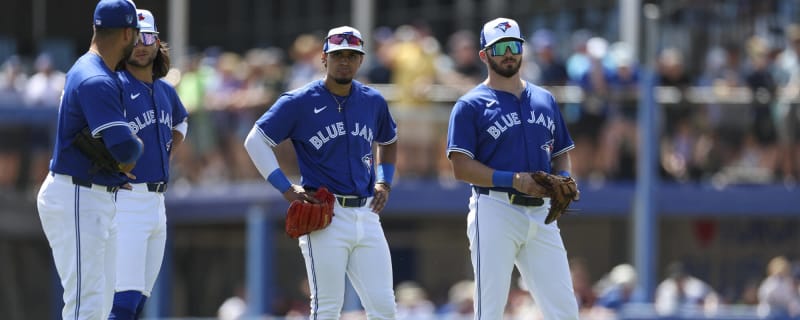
[77, 222]
[141, 224]
[354, 243]
[502, 235]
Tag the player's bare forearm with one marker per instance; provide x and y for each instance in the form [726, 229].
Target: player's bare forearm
[563, 162]
[386, 153]
[177, 141]
[470, 170]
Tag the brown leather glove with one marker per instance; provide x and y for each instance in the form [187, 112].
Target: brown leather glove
[561, 191]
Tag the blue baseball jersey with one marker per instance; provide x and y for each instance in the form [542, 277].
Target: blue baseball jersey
[91, 97]
[508, 133]
[334, 149]
[152, 109]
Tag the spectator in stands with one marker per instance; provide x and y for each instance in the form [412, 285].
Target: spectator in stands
[413, 74]
[619, 139]
[305, 68]
[380, 69]
[44, 87]
[681, 291]
[413, 303]
[12, 80]
[616, 288]
[461, 68]
[591, 122]
[787, 110]
[778, 294]
[459, 305]
[544, 67]
[581, 283]
[671, 73]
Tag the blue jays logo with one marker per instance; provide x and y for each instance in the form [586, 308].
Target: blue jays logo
[367, 161]
[548, 147]
[503, 26]
[141, 17]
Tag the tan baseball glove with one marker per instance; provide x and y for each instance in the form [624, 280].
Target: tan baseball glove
[561, 191]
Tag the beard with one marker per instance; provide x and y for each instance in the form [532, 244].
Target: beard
[133, 62]
[342, 80]
[504, 71]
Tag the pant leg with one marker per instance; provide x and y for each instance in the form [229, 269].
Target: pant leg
[156, 245]
[544, 266]
[370, 267]
[326, 253]
[495, 230]
[134, 222]
[77, 222]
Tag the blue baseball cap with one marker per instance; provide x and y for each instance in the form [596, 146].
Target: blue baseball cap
[115, 14]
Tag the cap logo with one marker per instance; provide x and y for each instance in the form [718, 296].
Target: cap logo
[141, 17]
[503, 26]
[128, 19]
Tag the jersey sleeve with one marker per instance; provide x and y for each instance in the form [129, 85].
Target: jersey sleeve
[101, 100]
[387, 128]
[279, 121]
[461, 131]
[563, 141]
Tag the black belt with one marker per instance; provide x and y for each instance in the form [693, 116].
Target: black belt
[88, 184]
[516, 199]
[345, 202]
[351, 202]
[157, 187]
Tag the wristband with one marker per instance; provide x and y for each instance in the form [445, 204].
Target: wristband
[279, 180]
[384, 173]
[564, 173]
[502, 178]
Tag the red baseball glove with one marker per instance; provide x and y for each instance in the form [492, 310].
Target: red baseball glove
[304, 217]
[561, 191]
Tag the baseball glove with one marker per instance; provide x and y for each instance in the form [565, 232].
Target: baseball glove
[96, 151]
[304, 217]
[561, 191]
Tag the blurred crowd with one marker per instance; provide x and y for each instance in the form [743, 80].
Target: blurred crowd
[735, 120]
[680, 294]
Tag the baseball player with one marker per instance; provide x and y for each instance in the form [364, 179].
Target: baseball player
[499, 132]
[157, 116]
[76, 202]
[333, 124]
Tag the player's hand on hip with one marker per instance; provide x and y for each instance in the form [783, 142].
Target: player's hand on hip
[297, 192]
[381, 197]
[523, 182]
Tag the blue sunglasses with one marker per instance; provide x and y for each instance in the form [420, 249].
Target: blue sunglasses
[500, 48]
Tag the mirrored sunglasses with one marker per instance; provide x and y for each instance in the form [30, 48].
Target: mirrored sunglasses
[352, 40]
[147, 39]
[500, 48]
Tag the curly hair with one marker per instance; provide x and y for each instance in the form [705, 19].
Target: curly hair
[161, 64]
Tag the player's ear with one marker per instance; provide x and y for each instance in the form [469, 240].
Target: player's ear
[482, 55]
[324, 59]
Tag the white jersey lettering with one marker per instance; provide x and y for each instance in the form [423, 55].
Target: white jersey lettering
[508, 120]
[547, 123]
[365, 132]
[331, 131]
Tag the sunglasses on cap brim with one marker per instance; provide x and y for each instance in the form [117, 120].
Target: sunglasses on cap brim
[500, 48]
[147, 39]
[339, 39]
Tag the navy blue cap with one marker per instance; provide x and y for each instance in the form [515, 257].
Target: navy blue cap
[115, 14]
